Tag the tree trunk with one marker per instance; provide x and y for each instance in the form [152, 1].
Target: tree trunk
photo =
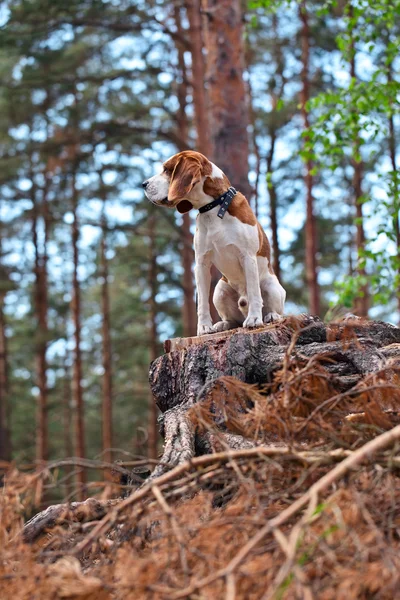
[342, 353]
[228, 101]
[198, 77]
[107, 404]
[396, 199]
[310, 227]
[189, 305]
[229, 117]
[68, 449]
[77, 393]
[153, 336]
[273, 206]
[361, 303]
[276, 95]
[5, 436]
[40, 304]
[5, 441]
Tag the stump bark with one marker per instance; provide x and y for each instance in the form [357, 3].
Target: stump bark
[182, 377]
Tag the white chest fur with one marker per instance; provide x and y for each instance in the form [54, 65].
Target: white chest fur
[225, 242]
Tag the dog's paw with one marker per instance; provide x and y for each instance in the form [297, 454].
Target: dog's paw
[251, 322]
[272, 317]
[204, 329]
[224, 326]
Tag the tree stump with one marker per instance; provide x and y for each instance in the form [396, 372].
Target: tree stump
[348, 352]
[182, 377]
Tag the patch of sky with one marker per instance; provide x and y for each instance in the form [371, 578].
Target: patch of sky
[21, 132]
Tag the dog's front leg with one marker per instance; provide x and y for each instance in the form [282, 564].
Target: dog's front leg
[254, 298]
[203, 281]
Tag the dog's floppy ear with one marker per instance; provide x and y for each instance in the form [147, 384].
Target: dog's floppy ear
[186, 174]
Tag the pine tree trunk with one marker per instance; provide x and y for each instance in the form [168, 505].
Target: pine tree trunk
[5, 442]
[152, 447]
[198, 77]
[41, 307]
[361, 303]
[229, 118]
[107, 404]
[5, 434]
[273, 206]
[392, 152]
[310, 227]
[68, 449]
[189, 305]
[77, 393]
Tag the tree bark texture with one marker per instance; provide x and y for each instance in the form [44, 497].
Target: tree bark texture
[193, 8]
[348, 351]
[396, 199]
[152, 430]
[5, 441]
[229, 112]
[273, 202]
[41, 307]
[361, 303]
[311, 229]
[107, 403]
[189, 304]
[77, 392]
[181, 376]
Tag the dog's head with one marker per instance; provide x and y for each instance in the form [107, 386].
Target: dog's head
[180, 181]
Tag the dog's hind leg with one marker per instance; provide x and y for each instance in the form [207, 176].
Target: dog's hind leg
[226, 302]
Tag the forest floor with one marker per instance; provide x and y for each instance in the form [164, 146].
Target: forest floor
[313, 513]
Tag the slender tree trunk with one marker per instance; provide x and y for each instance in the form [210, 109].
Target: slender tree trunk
[396, 199]
[5, 442]
[153, 335]
[189, 305]
[361, 303]
[273, 206]
[41, 308]
[276, 95]
[256, 148]
[198, 77]
[77, 393]
[228, 102]
[5, 437]
[68, 448]
[107, 432]
[310, 227]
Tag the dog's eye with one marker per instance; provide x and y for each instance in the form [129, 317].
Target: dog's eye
[165, 170]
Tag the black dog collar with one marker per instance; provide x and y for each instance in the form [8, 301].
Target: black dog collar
[224, 201]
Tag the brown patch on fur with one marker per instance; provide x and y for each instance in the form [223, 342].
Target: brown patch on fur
[264, 248]
[224, 279]
[241, 209]
[216, 187]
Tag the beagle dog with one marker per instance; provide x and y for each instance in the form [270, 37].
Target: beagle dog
[228, 236]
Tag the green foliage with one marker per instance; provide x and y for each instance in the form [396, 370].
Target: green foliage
[351, 125]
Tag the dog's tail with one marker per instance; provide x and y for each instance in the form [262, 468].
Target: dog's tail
[243, 305]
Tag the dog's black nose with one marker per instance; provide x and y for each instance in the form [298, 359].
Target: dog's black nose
[145, 184]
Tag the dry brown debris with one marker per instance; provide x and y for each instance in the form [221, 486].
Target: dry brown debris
[312, 511]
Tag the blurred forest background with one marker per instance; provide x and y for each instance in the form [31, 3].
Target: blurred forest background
[296, 101]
